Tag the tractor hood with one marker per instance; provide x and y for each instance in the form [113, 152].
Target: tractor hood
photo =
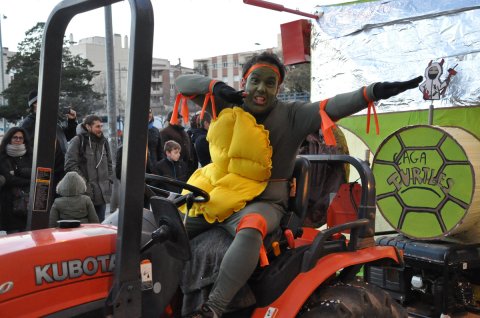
[38, 265]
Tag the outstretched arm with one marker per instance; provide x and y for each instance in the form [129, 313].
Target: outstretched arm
[199, 86]
[386, 90]
[192, 84]
[344, 105]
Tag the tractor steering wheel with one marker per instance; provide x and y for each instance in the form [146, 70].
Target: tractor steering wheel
[199, 195]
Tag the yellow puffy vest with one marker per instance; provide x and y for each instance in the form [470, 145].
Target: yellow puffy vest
[241, 165]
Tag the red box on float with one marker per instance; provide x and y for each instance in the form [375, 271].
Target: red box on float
[296, 41]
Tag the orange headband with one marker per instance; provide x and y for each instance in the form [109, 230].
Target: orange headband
[255, 66]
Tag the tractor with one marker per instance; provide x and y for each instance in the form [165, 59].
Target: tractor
[133, 264]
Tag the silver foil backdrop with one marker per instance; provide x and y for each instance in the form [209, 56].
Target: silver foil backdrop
[357, 44]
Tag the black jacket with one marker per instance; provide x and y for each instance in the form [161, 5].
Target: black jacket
[172, 169]
[154, 145]
[17, 172]
[199, 139]
[178, 134]
[63, 133]
[197, 132]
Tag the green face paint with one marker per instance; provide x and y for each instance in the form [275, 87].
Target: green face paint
[261, 87]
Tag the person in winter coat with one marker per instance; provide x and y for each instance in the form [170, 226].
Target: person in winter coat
[172, 166]
[194, 125]
[2, 224]
[89, 155]
[255, 140]
[177, 133]
[72, 204]
[64, 133]
[154, 143]
[199, 139]
[16, 167]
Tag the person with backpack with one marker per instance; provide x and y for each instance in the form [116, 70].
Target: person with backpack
[89, 155]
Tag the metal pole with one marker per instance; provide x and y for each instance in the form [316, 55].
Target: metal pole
[119, 84]
[111, 104]
[430, 114]
[1, 60]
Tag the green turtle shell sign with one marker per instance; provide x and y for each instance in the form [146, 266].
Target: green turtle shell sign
[426, 181]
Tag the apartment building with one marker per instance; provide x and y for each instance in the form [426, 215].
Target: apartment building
[226, 68]
[163, 73]
[6, 78]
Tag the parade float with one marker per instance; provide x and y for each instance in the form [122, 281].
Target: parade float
[425, 151]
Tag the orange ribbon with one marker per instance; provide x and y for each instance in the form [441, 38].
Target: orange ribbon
[184, 111]
[371, 106]
[209, 97]
[256, 221]
[327, 125]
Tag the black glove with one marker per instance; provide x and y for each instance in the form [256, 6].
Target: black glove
[386, 90]
[227, 93]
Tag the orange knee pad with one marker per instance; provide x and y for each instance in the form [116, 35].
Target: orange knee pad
[253, 221]
[257, 222]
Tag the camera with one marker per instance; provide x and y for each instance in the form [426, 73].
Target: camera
[66, 110]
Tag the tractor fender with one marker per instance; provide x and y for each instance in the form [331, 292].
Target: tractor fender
[290, 302]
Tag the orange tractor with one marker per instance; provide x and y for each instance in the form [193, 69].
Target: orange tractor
[131, 266]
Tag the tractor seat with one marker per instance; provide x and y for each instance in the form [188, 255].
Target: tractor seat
[298, 205]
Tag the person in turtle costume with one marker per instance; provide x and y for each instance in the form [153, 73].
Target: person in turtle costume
[253, 144]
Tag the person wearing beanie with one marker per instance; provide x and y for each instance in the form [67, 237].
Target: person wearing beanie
[64, 132]
[72, 204]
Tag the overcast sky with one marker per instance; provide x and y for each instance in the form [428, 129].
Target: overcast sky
[186, 29]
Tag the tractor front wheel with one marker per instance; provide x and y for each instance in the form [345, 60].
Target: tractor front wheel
[354, 299]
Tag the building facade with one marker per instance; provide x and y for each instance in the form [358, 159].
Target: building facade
[162, 90]
[6, 78]
[226, 68]
[93, 49]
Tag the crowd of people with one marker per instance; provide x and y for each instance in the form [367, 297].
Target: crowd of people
[84, 166]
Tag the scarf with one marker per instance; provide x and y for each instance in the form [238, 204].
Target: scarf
[16, 150]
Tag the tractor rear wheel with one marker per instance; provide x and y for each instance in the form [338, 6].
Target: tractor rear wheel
[354, 299]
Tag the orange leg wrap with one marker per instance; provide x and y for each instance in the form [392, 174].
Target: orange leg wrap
[256, 221]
